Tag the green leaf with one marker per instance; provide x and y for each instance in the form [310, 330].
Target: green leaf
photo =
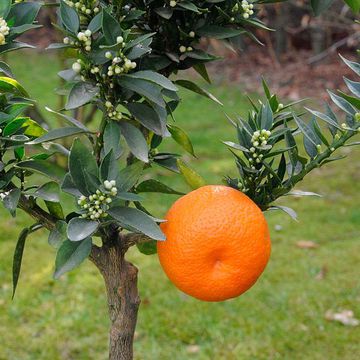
[147, 247]
[342, 104]
[301, 193]
[111, 139]
[154, 77]
[354, 66]
[148, 117]
[156, 186]
[49, 192]
[95, 23]
[354, 101]
[5, 6]
[109, 167]
[195, 88]
[129, 176]
[17, 259]
[80, 94]
[11, 201]
[353, 86]
[55, 209]
[332, 122]
[147, 89]
[111, 28]
[191, 176]
[180, 136]
[266, 116]
[23, 13]
[138, 220]
[79, 229]
[218, 32]
[55, 134]
[69, 187]
[307, 131]
[81, 163]
[135, 140]
[69, 17]
[70, 255]
[58, 234]
[188, 6]
[200, 68]
[236, 146]
[287, 210]
[5, 69]
[44, 167]
[320, 6]
[14, 45]
[9, 85]
[69, 119]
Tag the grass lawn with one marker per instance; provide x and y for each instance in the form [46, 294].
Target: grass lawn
[282, 317]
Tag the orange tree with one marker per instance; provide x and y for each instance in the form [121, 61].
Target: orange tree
[123, 55]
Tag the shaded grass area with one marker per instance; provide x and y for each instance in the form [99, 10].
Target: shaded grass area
[282, 317]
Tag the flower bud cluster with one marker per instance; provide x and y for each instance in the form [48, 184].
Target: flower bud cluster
[84, 40]
[3, 195]
[85, 7]
[4, 31]
[258, 139]
[246, 9]
[120, 63]
[112, 112]
[96, 205]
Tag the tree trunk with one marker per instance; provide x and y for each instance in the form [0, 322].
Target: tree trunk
[120, 278]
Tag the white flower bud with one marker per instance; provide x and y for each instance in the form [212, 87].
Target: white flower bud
[119, 39]
[192, 34]
[107, 185]
[182, 49]
[172, 3]
[108, 55]
[76, 67]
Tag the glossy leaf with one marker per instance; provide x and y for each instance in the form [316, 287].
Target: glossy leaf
[81, 163]
[49, 192]
[191, 176]
[17, 258]
[79, 229]
[135, 140]
[138, 220]
[70, 255]
[156, 186]
[180, 136]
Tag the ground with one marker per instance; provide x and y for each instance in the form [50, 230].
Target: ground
[281, 317]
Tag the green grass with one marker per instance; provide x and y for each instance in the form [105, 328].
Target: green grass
[281, 317]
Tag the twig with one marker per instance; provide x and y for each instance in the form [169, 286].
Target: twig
[332, 48]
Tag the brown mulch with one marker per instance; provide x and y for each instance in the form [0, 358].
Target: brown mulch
[291, 78]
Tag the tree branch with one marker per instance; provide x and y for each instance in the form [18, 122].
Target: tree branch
[36, 212]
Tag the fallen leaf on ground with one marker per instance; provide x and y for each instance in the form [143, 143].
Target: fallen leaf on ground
[345, 317]
[193, 349]
[305, 244]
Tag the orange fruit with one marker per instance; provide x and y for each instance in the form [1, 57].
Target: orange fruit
[217, 243]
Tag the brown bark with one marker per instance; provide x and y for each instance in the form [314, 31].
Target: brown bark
[120, 278]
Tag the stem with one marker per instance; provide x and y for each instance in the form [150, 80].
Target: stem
[315, 163]
[120, 279]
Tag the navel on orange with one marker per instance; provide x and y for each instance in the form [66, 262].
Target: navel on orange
[217, 243]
